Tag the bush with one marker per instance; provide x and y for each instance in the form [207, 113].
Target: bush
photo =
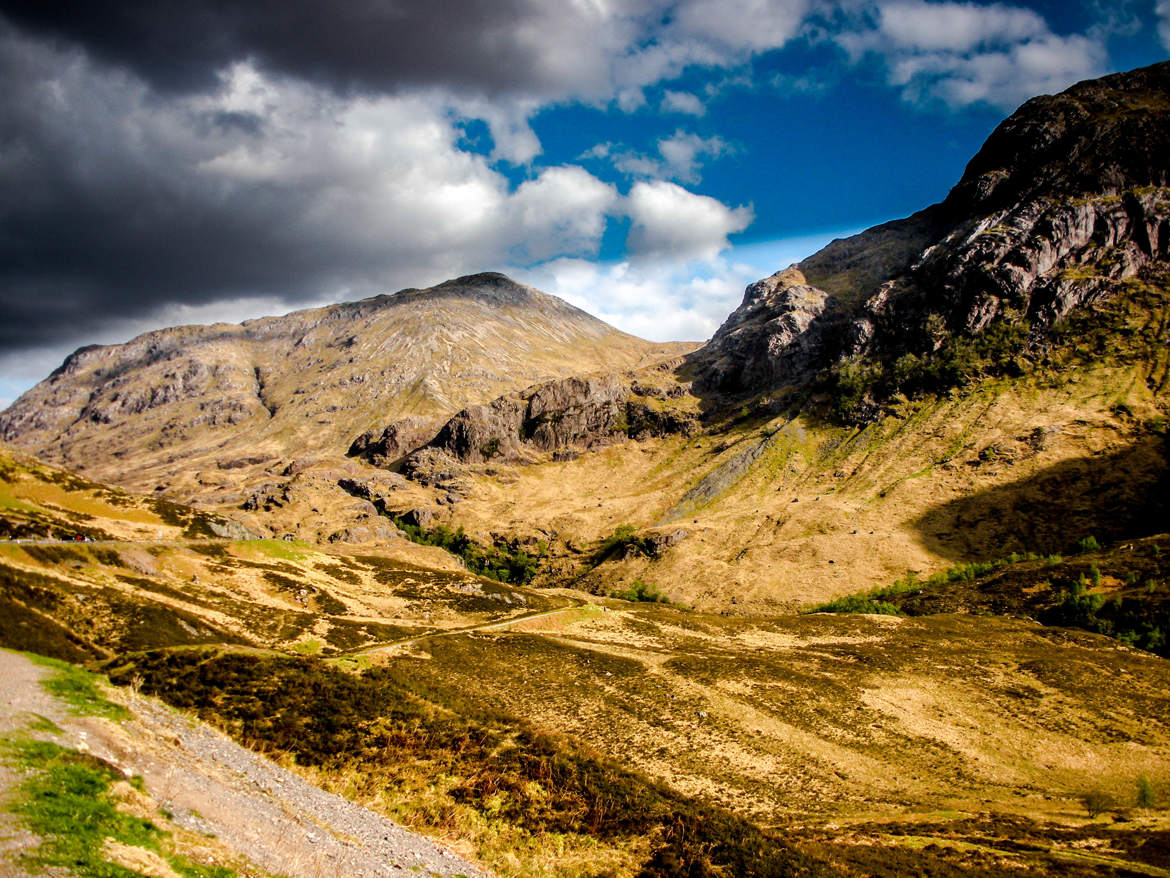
[501, 562]
[640, 591]
[858, 604]
[1097, 802]
[1146, 797]
[624, 538]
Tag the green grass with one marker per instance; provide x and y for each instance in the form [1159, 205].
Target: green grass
[65, 801]
[641, 592]
[284, 550]
[77, 689]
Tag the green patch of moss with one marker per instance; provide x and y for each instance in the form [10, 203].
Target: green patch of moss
[78, 689]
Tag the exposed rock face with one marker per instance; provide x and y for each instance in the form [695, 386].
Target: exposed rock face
[1067, 199]
[391, 445]
[572, 411]
[568, 413]
[767, 339]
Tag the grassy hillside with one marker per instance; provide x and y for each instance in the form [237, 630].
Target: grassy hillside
[559, 734]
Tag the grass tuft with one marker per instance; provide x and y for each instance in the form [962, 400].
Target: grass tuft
[77, 689]
[65, 800]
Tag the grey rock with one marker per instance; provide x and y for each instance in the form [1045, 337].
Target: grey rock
[389, 446]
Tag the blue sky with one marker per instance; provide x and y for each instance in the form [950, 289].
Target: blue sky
[173, 163]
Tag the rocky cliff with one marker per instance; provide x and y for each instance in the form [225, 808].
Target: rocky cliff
[1064, 207]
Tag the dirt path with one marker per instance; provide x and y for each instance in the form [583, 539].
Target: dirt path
[391, 645]
[214, 787]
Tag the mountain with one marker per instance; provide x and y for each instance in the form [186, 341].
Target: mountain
[1065, 207]
[912, 499]
[888, 404]
[987, 376]
[203, 412]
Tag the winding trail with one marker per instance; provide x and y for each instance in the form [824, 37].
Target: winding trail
[391, 645]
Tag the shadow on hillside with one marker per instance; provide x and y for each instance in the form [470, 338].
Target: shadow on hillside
[1113, 496]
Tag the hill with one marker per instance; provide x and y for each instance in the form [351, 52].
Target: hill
[548, 733]
[212, 413]
[882, 405]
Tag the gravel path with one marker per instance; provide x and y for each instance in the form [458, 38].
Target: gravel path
[212, 785]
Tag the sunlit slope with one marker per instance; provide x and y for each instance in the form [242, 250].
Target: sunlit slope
[198, 407]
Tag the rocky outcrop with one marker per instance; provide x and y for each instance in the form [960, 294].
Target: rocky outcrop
[388, 447]
[1068, 199]
[571, 413]
[767, 339]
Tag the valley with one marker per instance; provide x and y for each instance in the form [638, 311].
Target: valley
[872, 583]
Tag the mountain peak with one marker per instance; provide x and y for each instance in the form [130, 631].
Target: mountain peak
[1066, 206]
[1104, 134]
[490, 287]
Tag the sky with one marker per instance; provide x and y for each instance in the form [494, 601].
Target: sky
[191, 161]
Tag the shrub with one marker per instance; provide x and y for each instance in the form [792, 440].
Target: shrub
[1146, 797]
[1097, 802]
[624, 537]
[1088, 544]
[640, 591]
[858, 604]
[500, 561]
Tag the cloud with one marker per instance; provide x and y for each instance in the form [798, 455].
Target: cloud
[741, 25]
[483, 46]
[658, 301]
[966, 53]
[682, 102]
[682, 151]
[957, 27]
[115, 204]
[670, 222]
[679, 157]
[563, 212]
[1162, 10]
[532, 49]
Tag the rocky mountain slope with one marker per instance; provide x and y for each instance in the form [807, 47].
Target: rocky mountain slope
[201, 409]
[885, 405]
[901, 400]
[1065, 206]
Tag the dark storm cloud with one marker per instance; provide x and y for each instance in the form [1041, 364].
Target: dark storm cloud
[365, 45]
[118, 202]
[108, 209]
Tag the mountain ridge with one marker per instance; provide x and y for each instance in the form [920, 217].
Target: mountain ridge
[308, 382]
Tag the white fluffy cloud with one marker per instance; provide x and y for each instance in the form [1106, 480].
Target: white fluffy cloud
[682, 102]
[562, 211]
[681, 154]
[963, 53]
[659, 301]
[956, 27]
[670, 222]
[1162, 10]
[741, 25]
[680, 157]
